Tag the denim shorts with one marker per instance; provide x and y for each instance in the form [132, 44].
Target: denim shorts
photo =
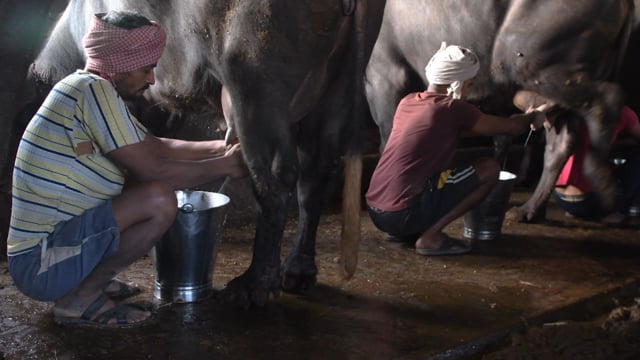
[67, 255]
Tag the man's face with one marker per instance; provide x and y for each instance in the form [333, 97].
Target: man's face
[131, 85]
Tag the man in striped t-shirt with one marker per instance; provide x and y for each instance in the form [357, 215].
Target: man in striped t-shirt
[73, 227]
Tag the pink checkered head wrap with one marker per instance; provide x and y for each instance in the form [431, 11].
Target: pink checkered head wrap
[111, 49]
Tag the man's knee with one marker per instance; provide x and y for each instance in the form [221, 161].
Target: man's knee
[155, 201]
[487, 169]
[162, 199]
[150, 201]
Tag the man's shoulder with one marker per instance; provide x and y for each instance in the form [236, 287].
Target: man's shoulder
[82, 77]
[426, 95]
[81, 83]
[423, 97]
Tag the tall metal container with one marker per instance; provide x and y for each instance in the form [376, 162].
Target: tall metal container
[185, 257]
[484, 221]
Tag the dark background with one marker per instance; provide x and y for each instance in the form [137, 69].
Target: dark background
[24, 26]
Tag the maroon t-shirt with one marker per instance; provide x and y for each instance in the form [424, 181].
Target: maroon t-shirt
[425, 133]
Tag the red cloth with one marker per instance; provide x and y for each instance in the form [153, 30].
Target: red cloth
[424, 136]
[111, 49]
[572, 173]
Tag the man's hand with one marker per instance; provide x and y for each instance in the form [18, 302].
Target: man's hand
[239, 168]
[540, 118]
[549, 115]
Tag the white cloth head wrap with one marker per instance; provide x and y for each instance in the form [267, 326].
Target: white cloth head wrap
[452, 65]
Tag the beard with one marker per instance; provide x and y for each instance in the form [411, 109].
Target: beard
[135, 95]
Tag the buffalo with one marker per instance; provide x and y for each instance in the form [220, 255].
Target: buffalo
[567, 53]
[288, 77]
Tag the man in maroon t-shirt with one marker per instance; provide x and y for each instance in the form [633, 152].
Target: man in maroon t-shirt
[413, 194]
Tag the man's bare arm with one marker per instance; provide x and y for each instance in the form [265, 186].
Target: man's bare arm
[152, 160]
[193, 150]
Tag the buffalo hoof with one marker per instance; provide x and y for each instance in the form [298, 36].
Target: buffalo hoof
[523, 214]
[299, 274]
[247, 290]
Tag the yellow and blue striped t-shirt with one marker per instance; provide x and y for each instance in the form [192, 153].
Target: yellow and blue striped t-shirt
[61, 169]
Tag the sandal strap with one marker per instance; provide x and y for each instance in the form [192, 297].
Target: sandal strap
[118, 312]
[94, 307]
[449, 243]
[121, 286]
[124, 290]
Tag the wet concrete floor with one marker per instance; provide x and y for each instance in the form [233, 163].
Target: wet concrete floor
[399, 305]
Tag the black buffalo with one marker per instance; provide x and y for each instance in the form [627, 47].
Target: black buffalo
[567, 52]
[288, 76]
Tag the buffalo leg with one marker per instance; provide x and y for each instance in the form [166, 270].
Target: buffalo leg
[319, 164]
[561, 139]
[601, 120]
[271, 158]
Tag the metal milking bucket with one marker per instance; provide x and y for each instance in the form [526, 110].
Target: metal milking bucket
[184, 258]
[484, 221]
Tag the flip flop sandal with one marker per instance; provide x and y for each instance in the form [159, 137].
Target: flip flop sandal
[101, 321]
[120, 312]
[124, 290]
[449, 246]
[401, 239]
